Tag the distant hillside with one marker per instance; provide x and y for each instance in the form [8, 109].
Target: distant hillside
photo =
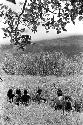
[6, 47]
[74, 39]
[69, 45]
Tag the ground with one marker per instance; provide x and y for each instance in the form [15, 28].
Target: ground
[36, 114]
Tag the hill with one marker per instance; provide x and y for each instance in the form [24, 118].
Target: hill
[69, 45]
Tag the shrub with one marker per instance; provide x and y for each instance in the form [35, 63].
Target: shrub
[9, 65]
[43, 63]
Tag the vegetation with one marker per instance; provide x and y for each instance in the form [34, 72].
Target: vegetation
[71, 86]
[51, 107]
[43, 64]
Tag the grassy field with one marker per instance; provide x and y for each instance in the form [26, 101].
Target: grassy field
[41, 114]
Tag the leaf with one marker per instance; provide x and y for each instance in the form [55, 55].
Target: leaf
[80, 18]
[1, 4]
[58, 31]
[52, 6]
[4, 37]
[73, 22]
[64, 29]
[22, 30]
[41, 15]
[47, 9]
[12, 1]
[43, 24]
[47, 31]
[2, 7]
[3, 29]
[1, 14]
[5, 34]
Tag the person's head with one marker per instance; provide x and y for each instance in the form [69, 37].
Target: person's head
[39, 91]
[25, 91]
[10, 91]
[68, 98]
[59, 92]
[18, 91]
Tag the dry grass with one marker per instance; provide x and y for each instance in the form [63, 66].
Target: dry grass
[41, 114]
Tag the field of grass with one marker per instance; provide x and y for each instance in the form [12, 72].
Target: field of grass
[41, 114]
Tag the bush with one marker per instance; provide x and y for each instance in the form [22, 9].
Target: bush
[43, 63]
[9, 64]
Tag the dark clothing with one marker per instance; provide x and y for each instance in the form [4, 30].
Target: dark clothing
[68, 106]
[1, 79]
[18, 97]
[77, 106]
[59, 105]
[68, 98]
[39, 91]
[38, 99]
[59, 92]
[10, 95]
[25, 99]
[18, 100]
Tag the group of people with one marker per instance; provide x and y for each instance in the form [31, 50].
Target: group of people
[17, 97]
[65, 103]
[25, 98]
[62, 102]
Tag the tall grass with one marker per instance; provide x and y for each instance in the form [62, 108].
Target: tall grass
[43, 63]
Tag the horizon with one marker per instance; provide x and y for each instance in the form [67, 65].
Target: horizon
[52, 39]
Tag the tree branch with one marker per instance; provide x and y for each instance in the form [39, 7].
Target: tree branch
[19, 17]
[23, 8]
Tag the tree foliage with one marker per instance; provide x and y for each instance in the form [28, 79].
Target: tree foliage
[53, 14]
[13, 1]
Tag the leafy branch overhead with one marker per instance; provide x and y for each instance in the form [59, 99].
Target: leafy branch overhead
[55, 14]
[13, 1]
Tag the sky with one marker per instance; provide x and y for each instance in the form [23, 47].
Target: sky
[76, 29]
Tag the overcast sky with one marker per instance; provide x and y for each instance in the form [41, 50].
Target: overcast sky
[41, 34]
